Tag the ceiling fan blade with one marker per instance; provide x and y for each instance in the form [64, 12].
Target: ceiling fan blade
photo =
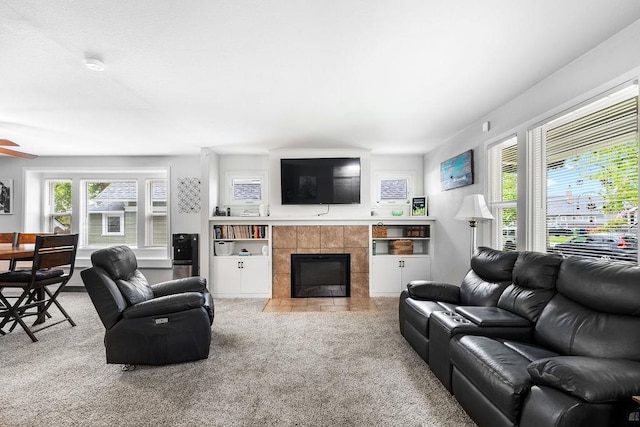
[17, 153]
[6, 142]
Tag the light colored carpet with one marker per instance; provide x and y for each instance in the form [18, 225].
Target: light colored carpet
[264, 369]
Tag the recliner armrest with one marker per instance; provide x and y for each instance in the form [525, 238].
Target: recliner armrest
[165, 305]
[177, 286]
[595, 380]
[434, 291]
[492, 316]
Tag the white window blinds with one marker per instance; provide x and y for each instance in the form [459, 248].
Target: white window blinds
[590, 160]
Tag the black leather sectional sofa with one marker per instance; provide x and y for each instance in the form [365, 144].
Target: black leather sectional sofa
[531, 339]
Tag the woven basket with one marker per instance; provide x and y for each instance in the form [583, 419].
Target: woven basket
[379, 231]
[401, 247]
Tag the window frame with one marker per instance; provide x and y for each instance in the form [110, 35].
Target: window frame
[35, 213]
[495, 186]
[106, 225]
[536, 183]
[229, 182]
[408, 177]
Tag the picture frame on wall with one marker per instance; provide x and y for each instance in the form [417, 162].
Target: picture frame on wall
[6, 196]
[457, 171]
[419, 206]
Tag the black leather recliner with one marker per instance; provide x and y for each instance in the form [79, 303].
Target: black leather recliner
[490, 273]
[519, 307]
[581, 366]
[169, 322]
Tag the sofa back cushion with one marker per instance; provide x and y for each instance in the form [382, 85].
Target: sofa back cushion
[121, 265]
[534, 283]
[490, 274]
[595, 312]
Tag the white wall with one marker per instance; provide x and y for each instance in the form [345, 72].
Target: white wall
[270, 165]
[612, 63]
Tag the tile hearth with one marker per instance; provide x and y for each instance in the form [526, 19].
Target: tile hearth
[350, 239]
[293, 305]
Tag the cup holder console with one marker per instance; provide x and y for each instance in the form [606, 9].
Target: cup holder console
[455, 317]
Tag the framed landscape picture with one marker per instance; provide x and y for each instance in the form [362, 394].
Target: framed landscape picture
[6, 196]
[457, 171]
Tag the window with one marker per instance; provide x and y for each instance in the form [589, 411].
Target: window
[587, 204]
[111, 212]
[58, 199]
[157, 226]
[503, 191]
[244, 189]
[393, 188]
[105, 207]
[112, 225]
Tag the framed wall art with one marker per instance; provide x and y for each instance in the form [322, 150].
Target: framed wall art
[6, 196]
[419, 206]
[457, 171]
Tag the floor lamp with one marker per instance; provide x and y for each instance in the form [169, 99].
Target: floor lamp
[473, 209]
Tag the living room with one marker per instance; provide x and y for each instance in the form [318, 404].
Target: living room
[610, 62]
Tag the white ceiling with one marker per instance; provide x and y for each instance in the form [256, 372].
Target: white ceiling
[252, 75]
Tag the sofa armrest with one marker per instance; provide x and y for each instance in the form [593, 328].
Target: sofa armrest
[595, 380]
[434, 291]
[165, 305]
[177, 286]
[492, 316]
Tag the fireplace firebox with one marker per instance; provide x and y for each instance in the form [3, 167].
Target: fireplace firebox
[320, 275]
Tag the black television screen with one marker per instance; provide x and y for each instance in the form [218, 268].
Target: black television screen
[320, 181]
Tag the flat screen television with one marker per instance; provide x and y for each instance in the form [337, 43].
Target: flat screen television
[320, 181]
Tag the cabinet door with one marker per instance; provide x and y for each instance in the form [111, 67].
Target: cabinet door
[226, 275]
[385, 274]
[255, 275]
[415, 268]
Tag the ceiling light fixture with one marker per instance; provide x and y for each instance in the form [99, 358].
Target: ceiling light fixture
[94, 64]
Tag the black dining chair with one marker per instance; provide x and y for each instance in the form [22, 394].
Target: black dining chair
[40, 285]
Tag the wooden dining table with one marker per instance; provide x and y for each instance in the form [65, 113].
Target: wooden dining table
[16, 252]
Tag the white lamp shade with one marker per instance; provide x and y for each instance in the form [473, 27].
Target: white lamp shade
[474, 208]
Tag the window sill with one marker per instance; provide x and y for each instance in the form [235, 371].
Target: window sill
[85, 262]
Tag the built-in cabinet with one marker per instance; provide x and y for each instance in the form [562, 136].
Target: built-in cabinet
[241, 255]
[241, 276]
[241, 261]
[400, 253]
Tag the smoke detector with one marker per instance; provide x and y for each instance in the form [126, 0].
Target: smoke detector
[94, 64]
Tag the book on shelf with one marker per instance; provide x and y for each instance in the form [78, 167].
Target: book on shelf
[222, 232]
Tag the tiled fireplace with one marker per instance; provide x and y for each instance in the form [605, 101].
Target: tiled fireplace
[317, 239]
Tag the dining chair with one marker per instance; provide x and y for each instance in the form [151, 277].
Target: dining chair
[52, 267]
[25, 239]
[7, 239]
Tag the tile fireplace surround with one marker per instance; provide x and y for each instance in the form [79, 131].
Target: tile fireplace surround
[304, 239]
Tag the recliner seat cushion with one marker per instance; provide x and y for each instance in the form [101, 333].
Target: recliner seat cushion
[475, 290]
[493, 265]
[534, 283]
[121, 265]
[569, 328]
[136, 289]
[490, 273]
[498, 369]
